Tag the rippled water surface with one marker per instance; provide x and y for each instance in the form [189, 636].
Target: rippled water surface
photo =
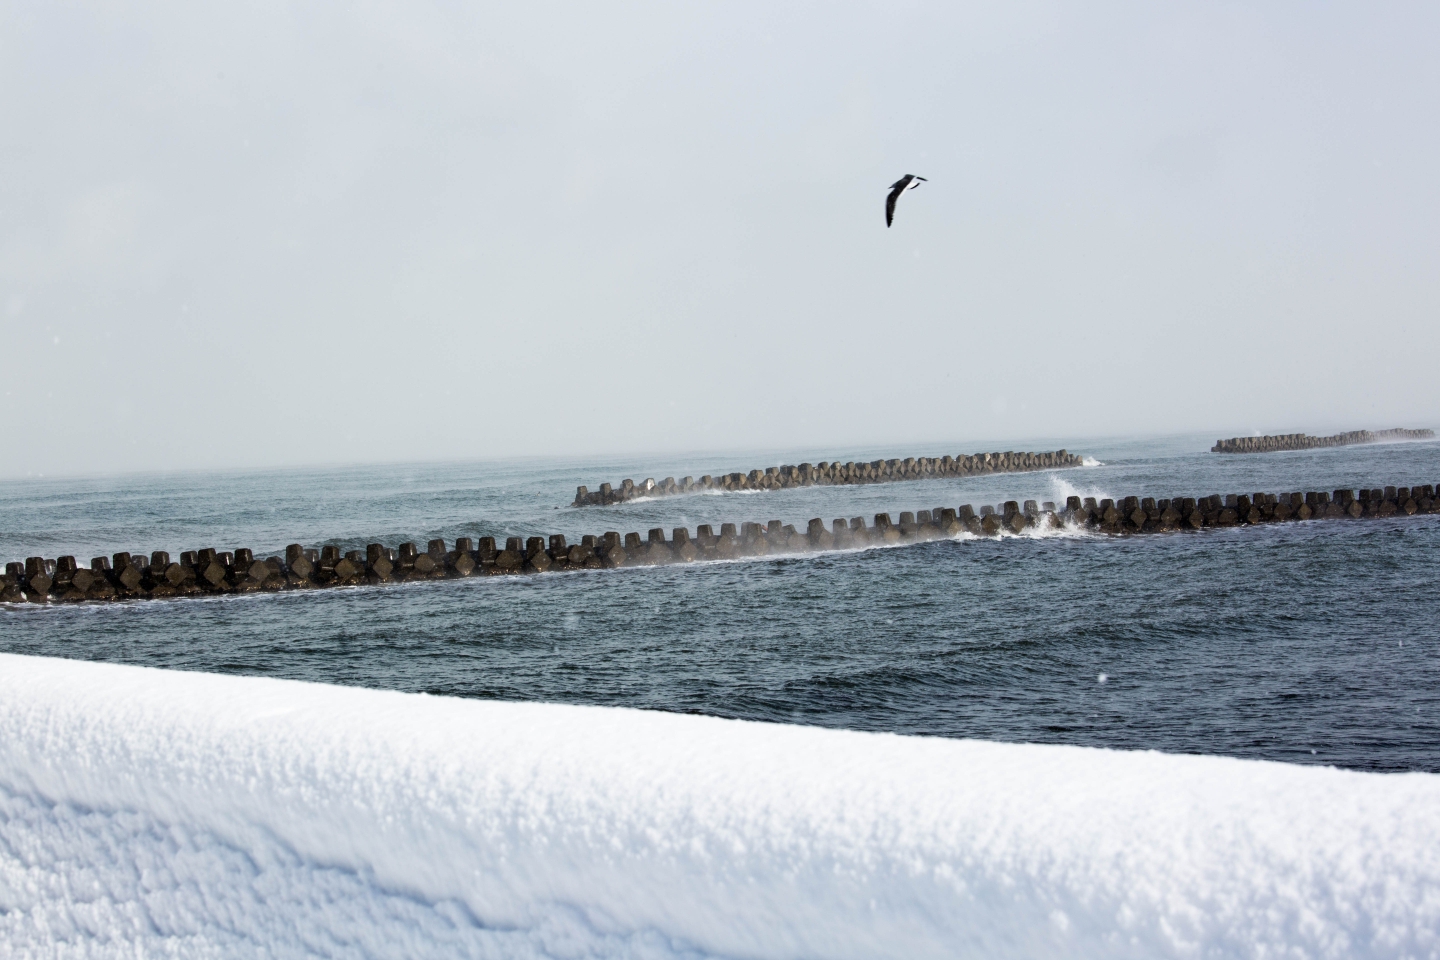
[1308, 642]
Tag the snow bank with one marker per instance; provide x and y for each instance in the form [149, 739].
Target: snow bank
[145, 812]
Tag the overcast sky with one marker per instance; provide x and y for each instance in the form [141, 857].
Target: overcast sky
[262, 234]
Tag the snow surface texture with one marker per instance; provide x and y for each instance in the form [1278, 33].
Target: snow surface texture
[155, 813]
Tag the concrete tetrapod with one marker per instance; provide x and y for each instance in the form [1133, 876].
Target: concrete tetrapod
[832, 474]
[126, 576]
[1302, 441]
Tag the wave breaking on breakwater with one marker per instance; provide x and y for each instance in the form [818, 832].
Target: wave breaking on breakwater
[826, 473]
[212, 572]
[149, 812]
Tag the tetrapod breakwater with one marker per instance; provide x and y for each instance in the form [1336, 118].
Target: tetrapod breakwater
[1303, 441]
[827, 473]
[136, 576]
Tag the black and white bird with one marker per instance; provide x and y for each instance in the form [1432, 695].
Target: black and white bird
[907, 182]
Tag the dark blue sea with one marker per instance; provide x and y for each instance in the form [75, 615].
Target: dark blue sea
[1311, 642]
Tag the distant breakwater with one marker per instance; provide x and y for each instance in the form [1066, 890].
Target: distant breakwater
[1303, 441]
[826, 473]
[127, 576]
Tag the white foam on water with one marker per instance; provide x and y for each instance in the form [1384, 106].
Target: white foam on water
[1042, 531]
[1047, 532]
[1090, 462]
[156, 813]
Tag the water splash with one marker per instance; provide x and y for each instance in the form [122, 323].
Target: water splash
[1063, 489]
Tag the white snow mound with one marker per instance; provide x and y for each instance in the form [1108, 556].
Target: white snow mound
[154, 813]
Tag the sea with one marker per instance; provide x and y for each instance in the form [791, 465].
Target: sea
[1313, 642]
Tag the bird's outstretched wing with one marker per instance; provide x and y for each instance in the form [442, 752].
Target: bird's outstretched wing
[897, 188]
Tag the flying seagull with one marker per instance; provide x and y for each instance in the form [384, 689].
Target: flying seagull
[907, 182]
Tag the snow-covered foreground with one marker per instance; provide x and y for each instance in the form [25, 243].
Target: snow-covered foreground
[145, 812]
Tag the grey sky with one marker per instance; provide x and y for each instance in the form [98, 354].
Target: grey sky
[258, 234]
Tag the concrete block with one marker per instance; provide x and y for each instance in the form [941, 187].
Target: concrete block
[656, 551]
[37, 580]
[63, 586]
[155, 568]
[512, 558]
[378, 565]
[429, 565]
[884, 530]
[210, 572]
[949, 522]
[11, 583]
[324, 569]
[461, 560]
[351, 568]
[300, 568]
[536, 559]
[727, 543]
[612, 552]
[819, 538]
[253, 574]
[907, 527]
[405, 556]
[682, 548]
[127, 575]
[579, 555]
[87, 583]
